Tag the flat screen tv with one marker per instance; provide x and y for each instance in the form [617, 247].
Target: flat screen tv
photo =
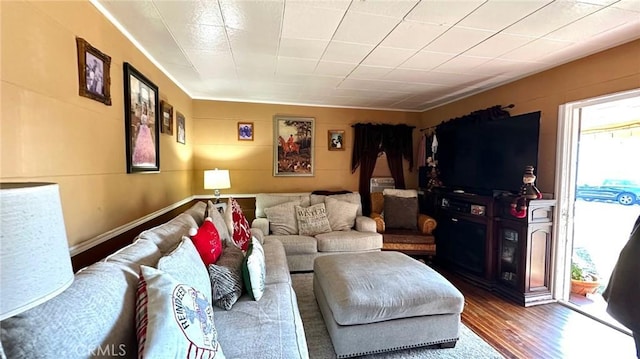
[489, 156]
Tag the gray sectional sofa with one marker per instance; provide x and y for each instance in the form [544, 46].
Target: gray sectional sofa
[302, 250]
[95, 317]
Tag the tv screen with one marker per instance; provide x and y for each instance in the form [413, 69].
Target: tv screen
[488, 156]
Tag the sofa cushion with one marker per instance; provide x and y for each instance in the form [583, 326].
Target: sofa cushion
[141, 251]
[219, 222]
[277, 267]
[226, 277]
[207, 241]
[352, 241]
[237, 224]
[295, 244]
[173, 318]
[353, 198]
[341, 214]
[312, 220]
[197, 212]
[185, 266]
[400, 212]
[254, 270]
[266, 200]
[282, 218]
[167, 235]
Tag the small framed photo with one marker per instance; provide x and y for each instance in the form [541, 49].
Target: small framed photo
[94, 68]
[245, 131]
[181, 133]
[167, 118]
[142, 119]
[336, 140]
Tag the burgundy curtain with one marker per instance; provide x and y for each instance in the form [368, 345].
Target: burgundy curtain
[370, 141]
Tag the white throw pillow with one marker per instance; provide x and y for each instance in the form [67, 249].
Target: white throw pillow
[341, 214]
[312, 220]
[282, 218]
[254, 270]
[173, 319]
[185, 265]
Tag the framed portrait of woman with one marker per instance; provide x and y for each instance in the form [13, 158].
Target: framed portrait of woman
[142, 122]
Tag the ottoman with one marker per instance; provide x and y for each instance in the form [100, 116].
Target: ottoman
[375, 302]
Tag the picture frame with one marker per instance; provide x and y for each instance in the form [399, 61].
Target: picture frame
[245, 131]
[142, 121]
[293, 145]
[94, 72]
[335, 140]
[167, 118]
[181, 133]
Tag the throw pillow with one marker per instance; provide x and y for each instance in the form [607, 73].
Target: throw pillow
[282, 218]
[407, 193]
[173, 319]
[207, 241]
[347, 197]
[312, 220]
[400, 212]
[185, 266]
[219, 222]
[237, 223]
[254, 271]
[226, 277]
[341, 215]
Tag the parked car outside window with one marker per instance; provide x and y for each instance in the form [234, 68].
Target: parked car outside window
[625, 192]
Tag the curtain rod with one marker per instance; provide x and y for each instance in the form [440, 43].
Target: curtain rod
[370, 123]
[502, 108]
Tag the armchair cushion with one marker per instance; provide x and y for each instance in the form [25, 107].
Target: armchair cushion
[400, 212]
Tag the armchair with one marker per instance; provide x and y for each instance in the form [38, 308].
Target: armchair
[402, 227]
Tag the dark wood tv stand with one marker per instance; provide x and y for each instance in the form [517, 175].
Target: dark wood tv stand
[481, 241]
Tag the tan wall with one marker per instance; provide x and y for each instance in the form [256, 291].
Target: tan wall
[251, 162]
[50, 133]
[611, 71]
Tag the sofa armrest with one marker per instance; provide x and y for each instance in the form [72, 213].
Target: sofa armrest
[262, 224]
[379, 221]
[257, 232]
[365, 224]
[426, 224]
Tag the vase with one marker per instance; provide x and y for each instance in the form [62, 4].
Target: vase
[582, 287]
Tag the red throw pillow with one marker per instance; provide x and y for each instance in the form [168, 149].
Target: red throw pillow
[207, 241]
[241, 227]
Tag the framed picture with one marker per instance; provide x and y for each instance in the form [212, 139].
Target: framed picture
[336, 140]
[94, 68]
[293, 145]
[181, 133]
[142, 120]
[245, 131]
[167, 118]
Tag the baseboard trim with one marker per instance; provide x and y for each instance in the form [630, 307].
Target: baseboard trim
[88, 244]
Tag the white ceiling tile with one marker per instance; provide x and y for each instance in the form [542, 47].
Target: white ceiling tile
[123, 10]
[427, 60]
[498, 14]
[458, 39]
[633, 5]
[302, 48]
[346, 52]
[603, 20]
[396, 8]
[532, 50]
[248, 41]
[443, 12]
[462, 64]
[212, 63]
[369, 72]
[364, 28]
[169, 53]
[294, 65]
[551, 17]
[387, 56]
[201, 37]
[190, 12]
[253, 16]
[334, 68]
[305, 21]
[413, 35]
[254, 64]
[498, 45]
[498, 66]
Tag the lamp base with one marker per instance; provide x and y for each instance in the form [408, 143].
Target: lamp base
[216, 193]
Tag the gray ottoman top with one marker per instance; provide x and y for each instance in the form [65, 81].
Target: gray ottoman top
[370, 287]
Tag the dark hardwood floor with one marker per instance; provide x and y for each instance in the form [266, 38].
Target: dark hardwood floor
[543, 331]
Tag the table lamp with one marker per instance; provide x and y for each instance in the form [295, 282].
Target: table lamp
[35, 264]
[216, 179]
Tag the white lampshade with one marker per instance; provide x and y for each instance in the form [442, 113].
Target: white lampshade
[216, 179]
[35, 264]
